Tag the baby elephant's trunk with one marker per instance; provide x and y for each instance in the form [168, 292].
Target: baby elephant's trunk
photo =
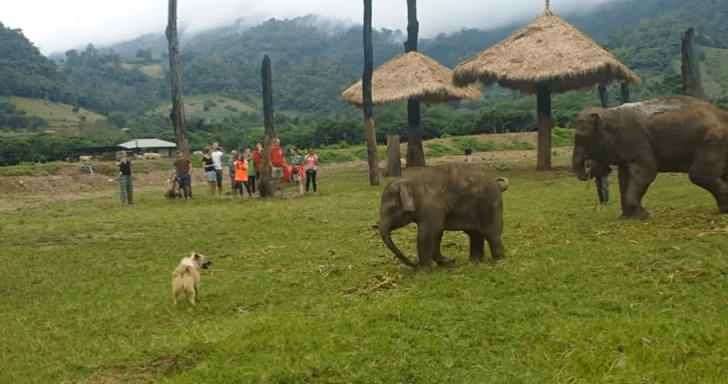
[385, 231]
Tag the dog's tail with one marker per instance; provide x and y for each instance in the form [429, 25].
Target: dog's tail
[181, 271]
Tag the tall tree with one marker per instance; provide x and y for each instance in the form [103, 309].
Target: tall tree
[178, 112]
[265, 187]
[367, 96]
[415, 152]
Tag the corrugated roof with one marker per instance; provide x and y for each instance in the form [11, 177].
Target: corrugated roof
[147, 143]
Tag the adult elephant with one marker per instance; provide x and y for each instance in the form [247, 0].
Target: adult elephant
[445, 198]
[669, 134]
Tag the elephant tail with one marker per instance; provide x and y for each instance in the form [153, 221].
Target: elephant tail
[502, 183]
[384, 232]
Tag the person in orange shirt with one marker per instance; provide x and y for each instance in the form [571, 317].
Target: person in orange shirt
[241, 175]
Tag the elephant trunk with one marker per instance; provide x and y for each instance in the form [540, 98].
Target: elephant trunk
[578, 163]
[385, 230]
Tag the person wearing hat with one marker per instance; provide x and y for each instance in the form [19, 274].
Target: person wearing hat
[217, 161]
[125, 184]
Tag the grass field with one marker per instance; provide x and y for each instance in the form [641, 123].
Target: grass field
[302, 290]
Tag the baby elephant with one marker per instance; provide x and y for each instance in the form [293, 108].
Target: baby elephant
[455, 197]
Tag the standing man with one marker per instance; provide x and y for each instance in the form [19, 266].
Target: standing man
[217, 161]
[125, 186]
[278, 161]
[182, 167]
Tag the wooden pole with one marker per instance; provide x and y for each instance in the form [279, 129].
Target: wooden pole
[367, 96]
[543, 109]
[394, 165]
[264, 185]
[604, 96]
[692, 85]
[415, 151]
[177, 116]
[624, 93]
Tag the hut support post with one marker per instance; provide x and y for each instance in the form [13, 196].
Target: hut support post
[394, 164]
[265, 185]
[604, 96]
[690, 67]
[543, 109]
[624, 93]
[415, 152]
[177, 116]
[367, 96]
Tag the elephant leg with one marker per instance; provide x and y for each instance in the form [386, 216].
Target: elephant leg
[707, 172]
[477, 245]
[640, 177]
[439, 258]
[428, 245]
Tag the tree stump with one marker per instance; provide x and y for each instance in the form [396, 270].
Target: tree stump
[394, 164]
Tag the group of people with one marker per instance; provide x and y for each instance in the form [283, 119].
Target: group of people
[243, 174]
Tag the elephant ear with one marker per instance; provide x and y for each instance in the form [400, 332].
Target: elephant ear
[405, 196]
[598, 121]
[502, 183]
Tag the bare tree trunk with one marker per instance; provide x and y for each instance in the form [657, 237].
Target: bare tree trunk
[624, 93]
[692, 85]
[415, 152]
[604, 96]
[177, 116]
[265, 186]
[543, 109]
[367, 96]
[394, 164]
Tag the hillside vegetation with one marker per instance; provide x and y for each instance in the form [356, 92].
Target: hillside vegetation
[221, 77]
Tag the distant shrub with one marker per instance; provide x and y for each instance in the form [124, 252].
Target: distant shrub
[196, 160]
[474, 144]
[562, 137]
[437, 149]
[362, 152]
[334, 156]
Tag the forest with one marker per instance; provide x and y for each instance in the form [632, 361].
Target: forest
[129, 82]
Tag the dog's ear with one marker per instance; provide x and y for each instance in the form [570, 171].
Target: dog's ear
[195, 255]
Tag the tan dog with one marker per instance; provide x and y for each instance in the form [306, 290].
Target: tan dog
[187, 277]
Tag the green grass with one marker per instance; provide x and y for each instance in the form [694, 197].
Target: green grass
[302, 290]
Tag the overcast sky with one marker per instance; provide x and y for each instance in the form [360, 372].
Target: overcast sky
[59, 25]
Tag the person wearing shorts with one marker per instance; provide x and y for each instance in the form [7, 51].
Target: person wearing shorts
[217, 161]
[209, 168]
[297, 171]
[182, 167]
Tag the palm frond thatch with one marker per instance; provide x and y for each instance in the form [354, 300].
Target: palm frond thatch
[549, 50]
[411, 75]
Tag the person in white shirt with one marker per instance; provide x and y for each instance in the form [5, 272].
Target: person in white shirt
[217, 161]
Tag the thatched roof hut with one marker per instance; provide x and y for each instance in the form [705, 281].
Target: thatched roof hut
[549, 50]
[411, 75]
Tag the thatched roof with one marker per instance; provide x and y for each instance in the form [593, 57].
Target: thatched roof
[549, 50]
[409, 75]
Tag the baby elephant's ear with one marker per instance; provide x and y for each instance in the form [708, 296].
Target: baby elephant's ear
[405, 197]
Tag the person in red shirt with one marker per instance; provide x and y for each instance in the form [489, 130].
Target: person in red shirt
[257, 158]
[277, 159]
